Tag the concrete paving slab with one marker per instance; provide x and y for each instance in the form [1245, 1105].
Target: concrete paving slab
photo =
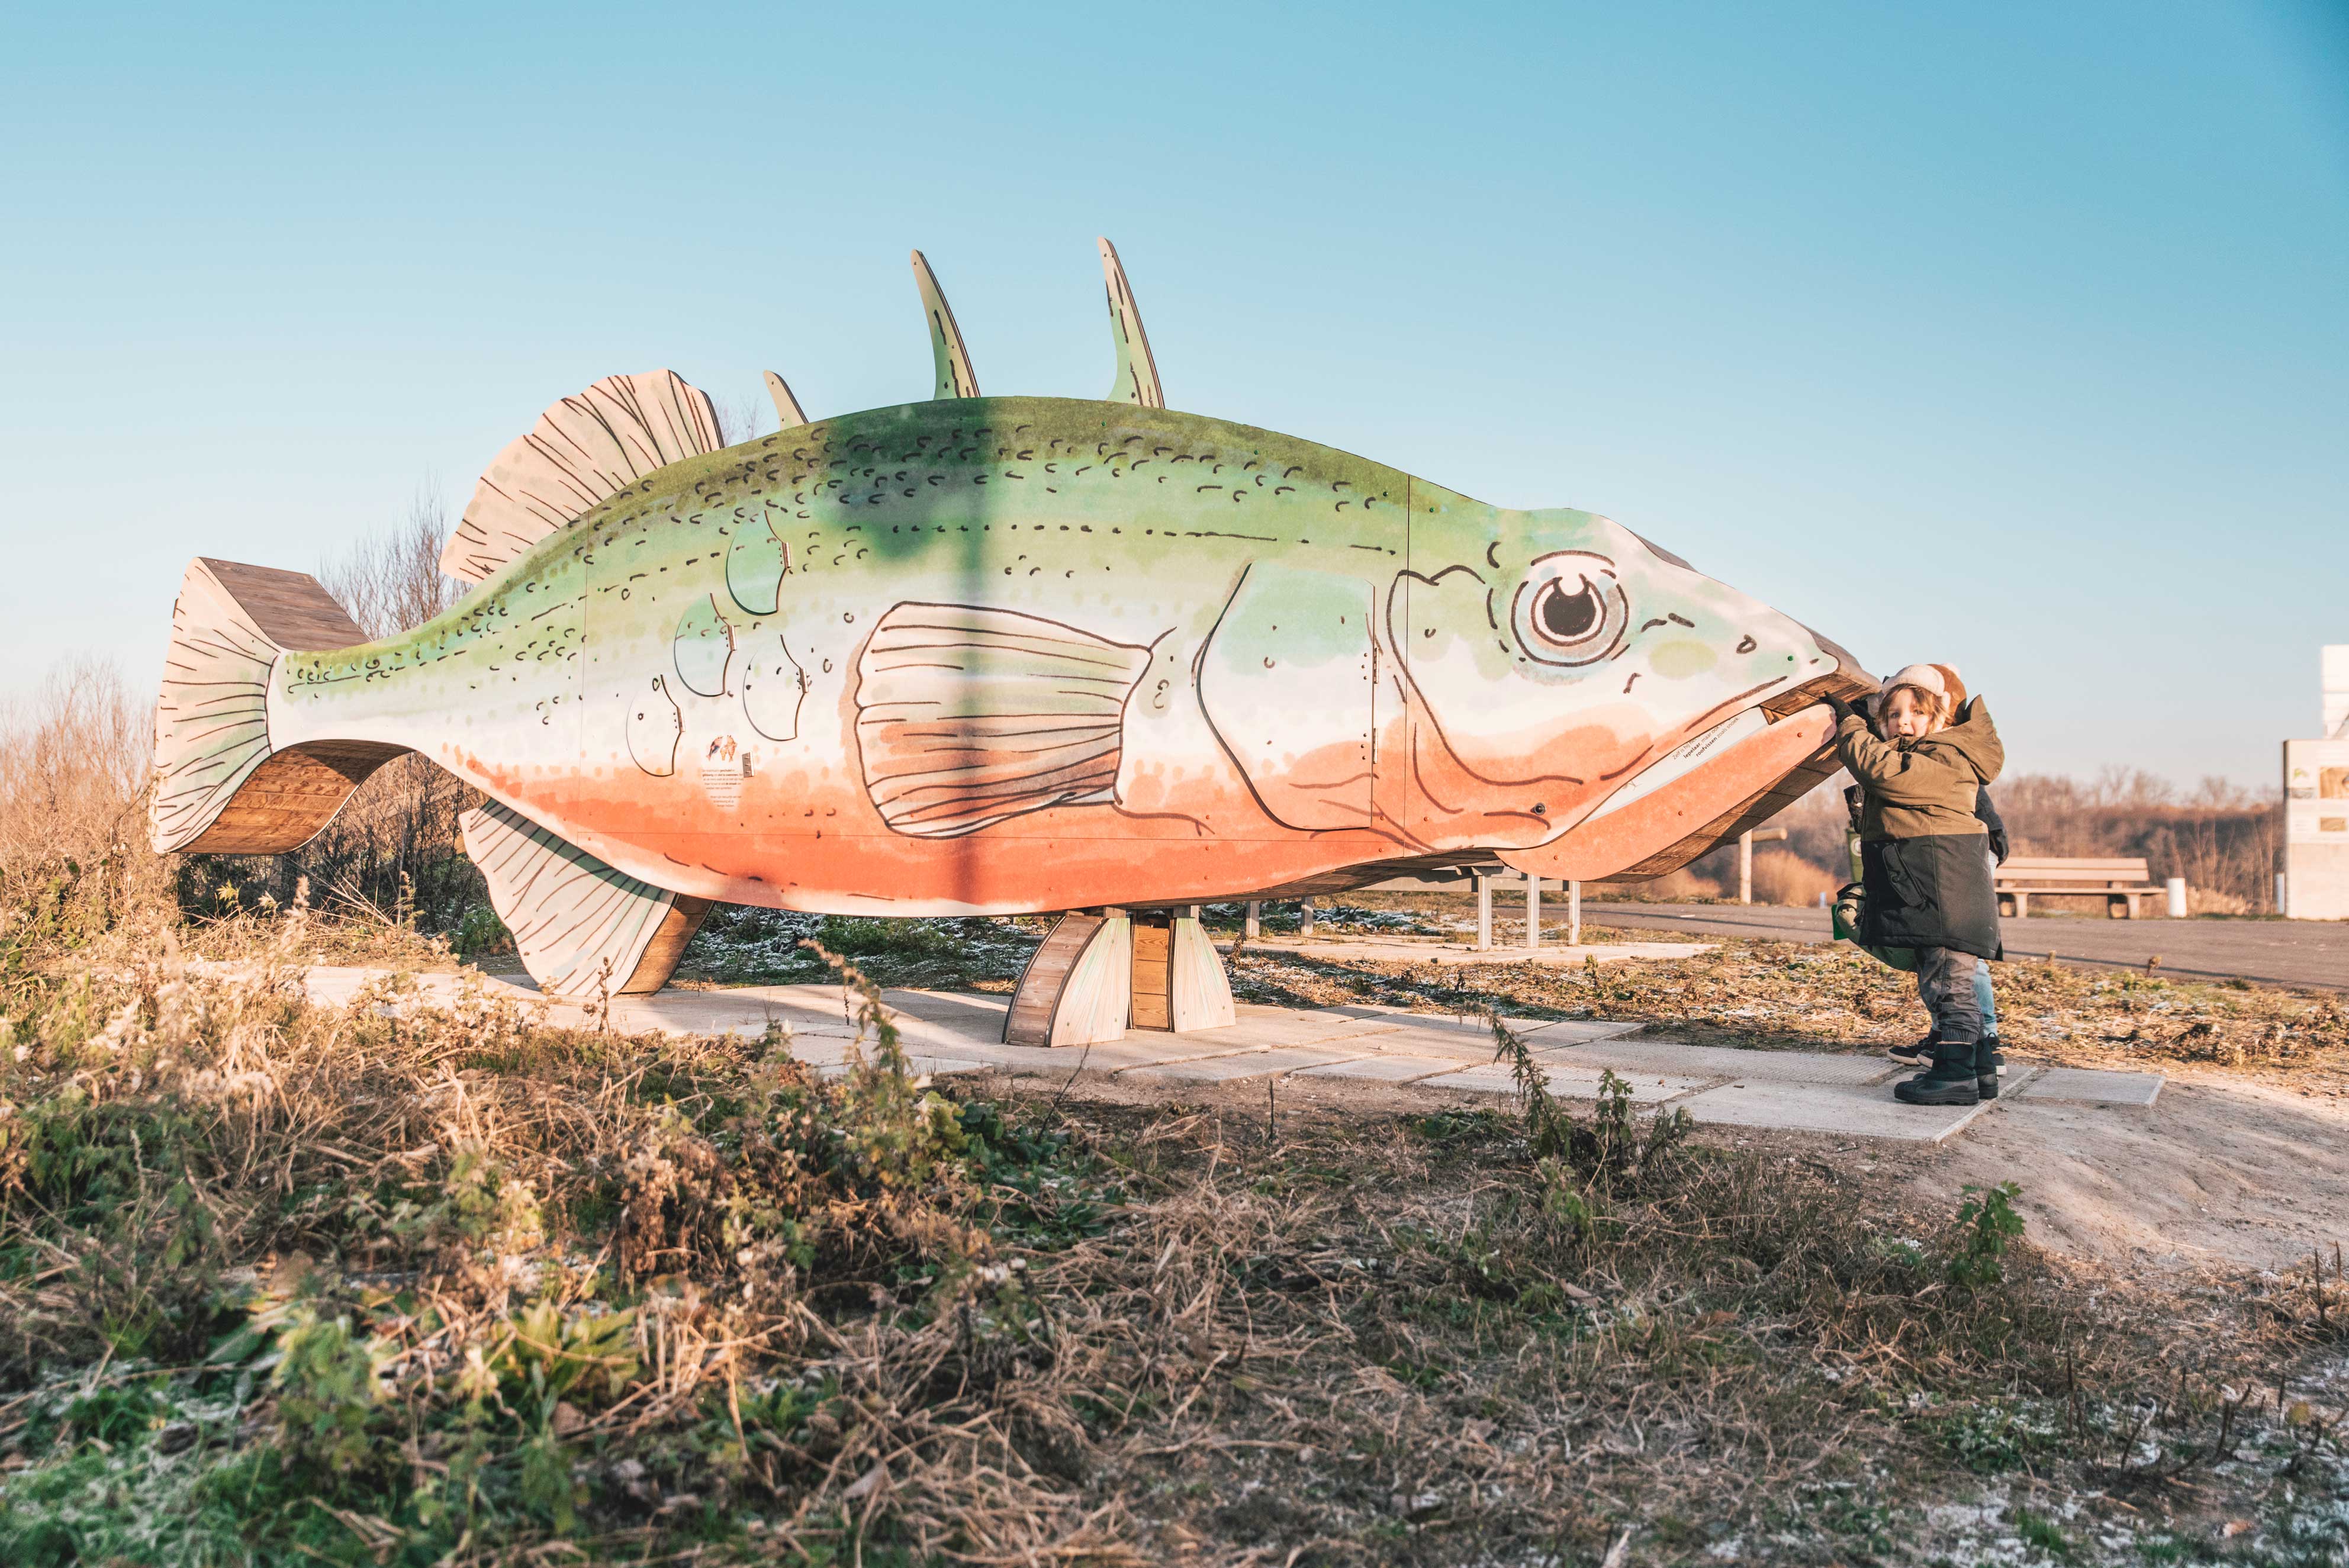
[1478, 1026]
[977, 1010]
[1578, 1032]
[1721, 1061]
[1382, 1068]
[1141, 1049]
[1849, 1109]
[1241, 1065]
[1293, 1026]
[632, 1016]
[949, 1032]
[1574, 1083]
[2081, 1085]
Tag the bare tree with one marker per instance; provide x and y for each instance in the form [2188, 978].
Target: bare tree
[397, 843]
[391, 581]
[743, 418]
[73, 765]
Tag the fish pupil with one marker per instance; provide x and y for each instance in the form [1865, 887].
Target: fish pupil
[1569, 616]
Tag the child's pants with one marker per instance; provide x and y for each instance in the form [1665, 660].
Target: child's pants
[1982, 966]
[1946, 985]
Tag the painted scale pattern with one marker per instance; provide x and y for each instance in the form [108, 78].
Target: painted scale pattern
[992, 654]
[1025, 654]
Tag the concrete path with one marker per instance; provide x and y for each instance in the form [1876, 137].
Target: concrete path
[2275, 952]
[1384, 1050]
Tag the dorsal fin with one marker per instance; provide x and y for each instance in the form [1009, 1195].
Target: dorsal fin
[787, 407]
[1137, 373]
[949, 357]
[582, 451]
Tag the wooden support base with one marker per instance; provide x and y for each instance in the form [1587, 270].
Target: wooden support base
[1097, 975]
[1077, 989]
[1198, 991]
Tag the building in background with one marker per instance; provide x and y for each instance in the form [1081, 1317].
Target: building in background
[2316, 806]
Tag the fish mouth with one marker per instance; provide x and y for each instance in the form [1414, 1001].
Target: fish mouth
[1721, 737]
[1681, 759]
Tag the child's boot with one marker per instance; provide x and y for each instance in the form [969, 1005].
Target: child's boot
[1914, 1055]
[1990, 1066]
[1950, 1081]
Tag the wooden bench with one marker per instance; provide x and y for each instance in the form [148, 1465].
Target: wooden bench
[2119, 883]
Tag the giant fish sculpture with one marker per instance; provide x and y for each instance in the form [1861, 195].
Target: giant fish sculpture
[992, 655]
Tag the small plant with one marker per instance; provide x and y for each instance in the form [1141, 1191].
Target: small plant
[1994, 1437]
[1610, 1150]
[325, 1377]
[856, 935]
[479, 934]
[1547, 1128]
[2044, 1534]
[1986, 1222]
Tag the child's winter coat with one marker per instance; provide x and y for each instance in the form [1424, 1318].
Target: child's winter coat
[1922, 862]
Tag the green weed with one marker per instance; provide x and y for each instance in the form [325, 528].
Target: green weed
[1986, 1224]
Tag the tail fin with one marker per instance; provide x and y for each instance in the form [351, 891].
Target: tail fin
[220, 787]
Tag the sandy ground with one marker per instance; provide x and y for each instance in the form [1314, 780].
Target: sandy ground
[2221, 1171]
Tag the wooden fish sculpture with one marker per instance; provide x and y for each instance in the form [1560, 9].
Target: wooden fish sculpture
[992, 655]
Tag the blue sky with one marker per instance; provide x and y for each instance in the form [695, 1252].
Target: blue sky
[2014, 335]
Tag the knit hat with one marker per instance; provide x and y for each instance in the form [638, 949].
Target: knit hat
[1942, 680]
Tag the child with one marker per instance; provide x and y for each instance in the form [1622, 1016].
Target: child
[1924, 862]
[1921, 1052]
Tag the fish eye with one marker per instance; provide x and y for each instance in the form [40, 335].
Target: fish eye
[1571, 609]
[1567, 618]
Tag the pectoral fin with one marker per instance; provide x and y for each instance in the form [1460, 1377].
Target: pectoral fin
[581, 927]
[968, 716]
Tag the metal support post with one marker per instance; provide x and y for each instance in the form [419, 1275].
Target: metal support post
[1745, 868]
[1255, 926]
[1305, 922]
[1573, 914]
[1533, 912]
[1483, 912]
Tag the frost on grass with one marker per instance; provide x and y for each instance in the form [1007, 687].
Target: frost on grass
[281, 1284]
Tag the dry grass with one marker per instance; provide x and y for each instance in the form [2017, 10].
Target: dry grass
[281, 1284]
[284, 1283]
[74, 862]
[1774, 996]
[74, 767]
[1783, 878]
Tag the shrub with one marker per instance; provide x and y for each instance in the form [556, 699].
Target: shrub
[1786, 879]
